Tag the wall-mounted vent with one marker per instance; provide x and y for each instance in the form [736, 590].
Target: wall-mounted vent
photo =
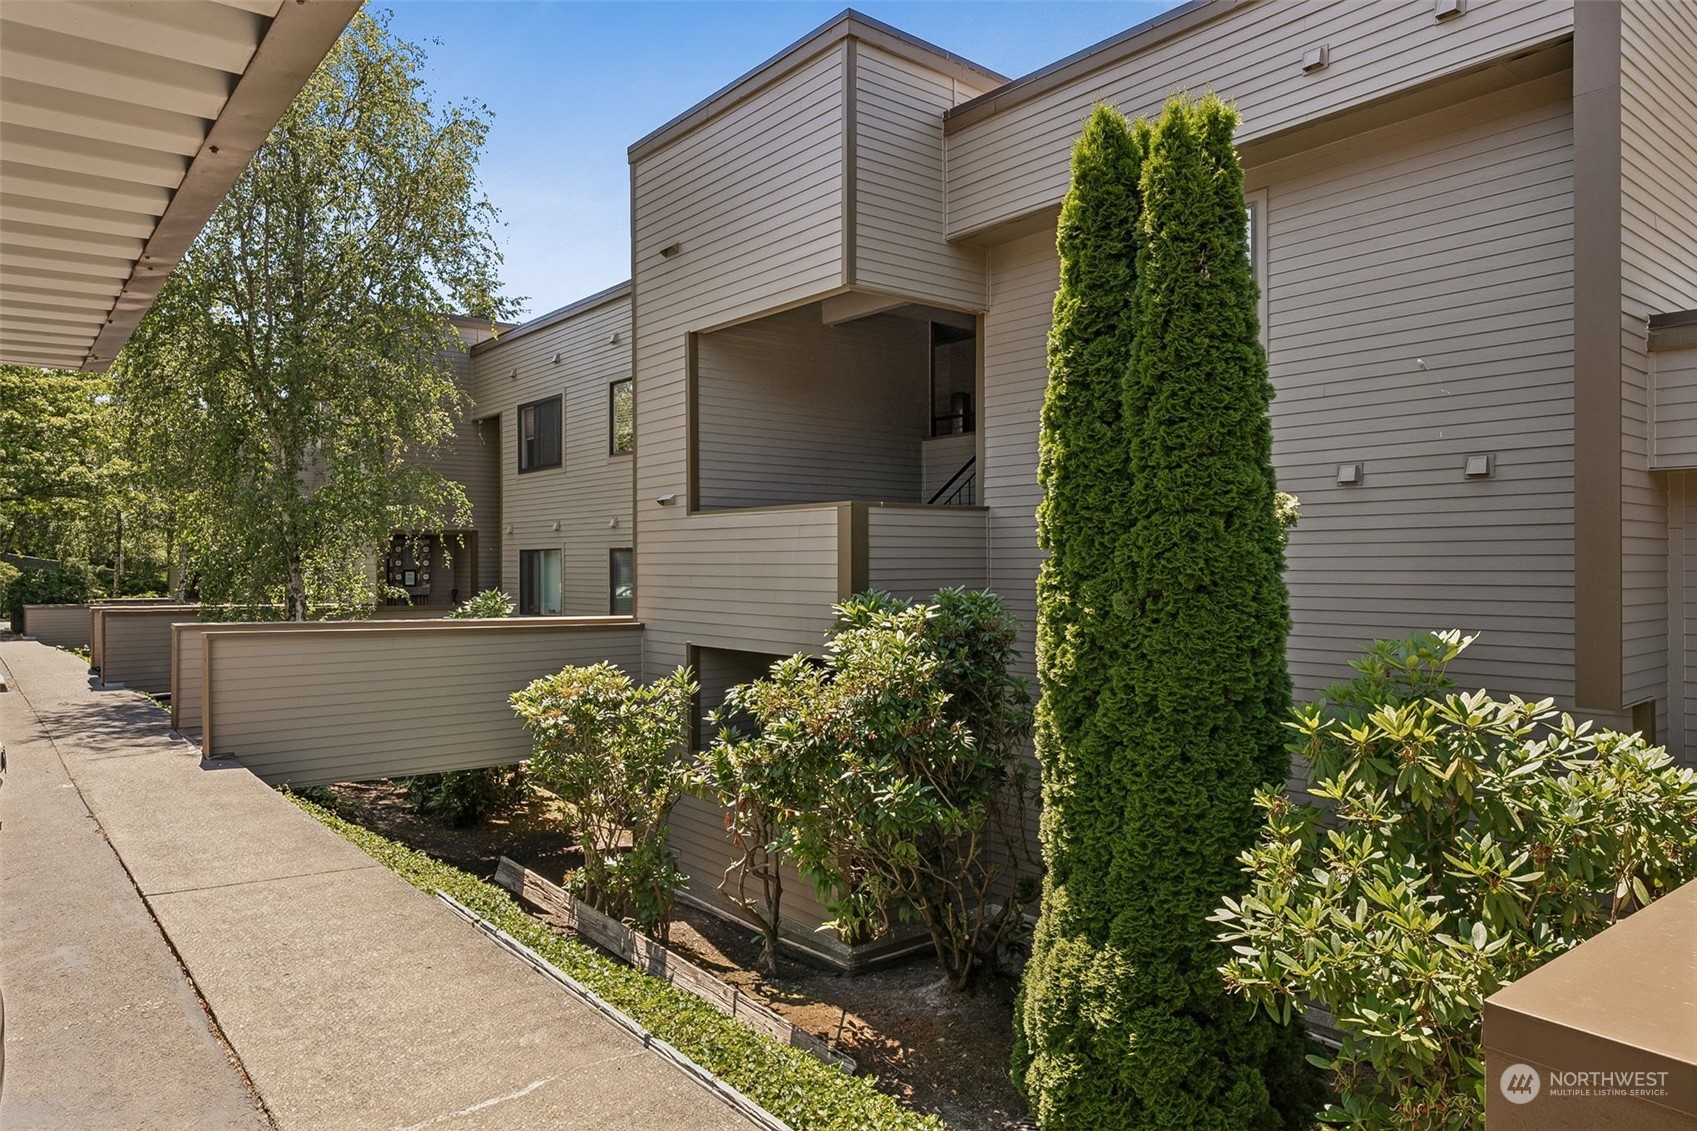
[1448, 9]
[1316, 59]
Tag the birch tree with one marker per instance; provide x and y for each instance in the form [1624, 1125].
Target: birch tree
[293, 372]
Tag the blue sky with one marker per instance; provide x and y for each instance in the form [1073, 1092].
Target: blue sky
[572, 85]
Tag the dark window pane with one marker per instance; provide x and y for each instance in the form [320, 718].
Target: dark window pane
[539, 434]
[622, 583]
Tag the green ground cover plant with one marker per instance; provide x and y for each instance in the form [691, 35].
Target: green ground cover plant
[806, 1093]
[1456, 843]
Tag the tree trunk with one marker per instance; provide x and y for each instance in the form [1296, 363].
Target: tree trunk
[118, 559]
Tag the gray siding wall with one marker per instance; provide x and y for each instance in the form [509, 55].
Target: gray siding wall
[915, 551]
[1448, 239]
[1014, 163]
[760, 580]
[900, 242]
[320, 705]
[136, 649]
[790, 410]
[588, 498]
[1658, 152]
[1023, 278]
[1674, 390]
[1445, 238]
[754, 200]
[62, 626]
[942, 457]
[187, 665]
[1680, 730]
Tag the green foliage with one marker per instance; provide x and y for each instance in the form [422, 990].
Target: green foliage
[491, 604]
[462, 798]
[1161, 645]
[1082, 463]
[71, 583]
[608, 748]
[52, 454]
[888, 774]
[1458, 843]
[805, 1093]
[290, 382]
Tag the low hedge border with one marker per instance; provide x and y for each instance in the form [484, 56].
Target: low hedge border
[803, 1092]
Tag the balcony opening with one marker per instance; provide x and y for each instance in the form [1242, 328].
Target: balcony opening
[717, 670]
[809, 407]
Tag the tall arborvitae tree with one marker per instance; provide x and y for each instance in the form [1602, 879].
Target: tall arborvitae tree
[1162, 619]
[1083, 464]
[1204, 680]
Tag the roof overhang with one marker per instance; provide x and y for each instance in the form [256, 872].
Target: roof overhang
[122, 127]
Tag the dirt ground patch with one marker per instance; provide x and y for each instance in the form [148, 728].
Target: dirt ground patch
[938, 1052]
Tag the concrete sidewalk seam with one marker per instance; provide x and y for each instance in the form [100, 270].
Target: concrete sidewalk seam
[260, 880]
[216, 1027]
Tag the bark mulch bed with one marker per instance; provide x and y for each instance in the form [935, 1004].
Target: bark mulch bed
[938, 1052]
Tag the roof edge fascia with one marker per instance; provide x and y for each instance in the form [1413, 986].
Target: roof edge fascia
[1115, 49]
[543, 321]
[848, 24]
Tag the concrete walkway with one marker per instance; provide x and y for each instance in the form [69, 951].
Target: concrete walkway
[181, 947]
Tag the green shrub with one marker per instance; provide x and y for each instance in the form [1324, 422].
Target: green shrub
[8, 574]
[807, 1094]
[608, 747]
[462, 798]
[487, 605]
[1459, 842]
[889, 775]
[69, 584]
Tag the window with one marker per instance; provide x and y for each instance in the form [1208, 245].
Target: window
[621, 412]
[621, 583]
[1256, 205]
[539, 583]
[539, 434]
[954, 379]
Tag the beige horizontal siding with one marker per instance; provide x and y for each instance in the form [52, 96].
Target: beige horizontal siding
[915, 551]
[583, 507]
[942, 457]
[900, 242]
[1023, 278]
[1675, 420]
[1013, 164]
[62, 626]
[1446, 238]
[790, 410]
[1658, 159]
[187, 667]
[760, 581]
[136, 644]
[326, 704]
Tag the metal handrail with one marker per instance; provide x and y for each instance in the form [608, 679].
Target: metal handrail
[948, 491]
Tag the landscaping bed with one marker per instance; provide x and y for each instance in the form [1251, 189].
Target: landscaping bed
[935, 1052]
